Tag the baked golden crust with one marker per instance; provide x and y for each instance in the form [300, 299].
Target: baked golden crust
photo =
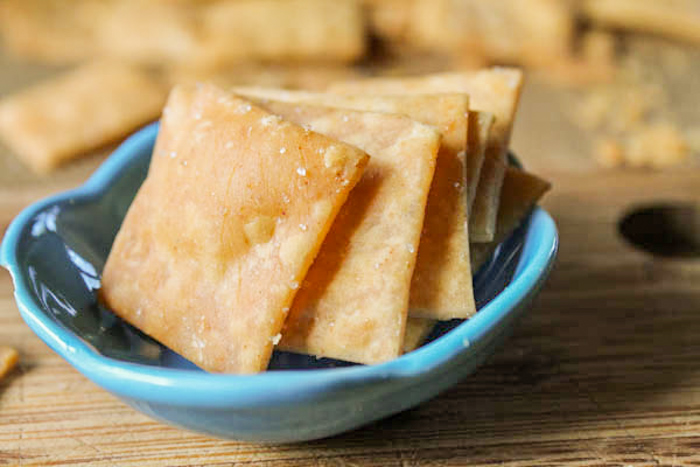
[353, 302]
[219, 238]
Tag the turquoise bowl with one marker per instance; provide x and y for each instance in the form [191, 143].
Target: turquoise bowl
[55, 251]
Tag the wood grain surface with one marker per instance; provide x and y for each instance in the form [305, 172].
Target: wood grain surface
[604, 370]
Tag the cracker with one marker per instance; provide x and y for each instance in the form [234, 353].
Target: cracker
[495, 90]
[55, 121]
[417, 330]
[677, 18]
[521, 191]
[288, 30]
[354, 301]
[8, 360]
[221, 234]
[442, 280]
[480, 124]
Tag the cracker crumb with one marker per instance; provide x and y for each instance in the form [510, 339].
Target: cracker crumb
[333, 157]
[8, 360]
[609, 153]
[659, 145]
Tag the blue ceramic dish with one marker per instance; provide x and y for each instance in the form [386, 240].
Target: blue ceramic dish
[55, 251]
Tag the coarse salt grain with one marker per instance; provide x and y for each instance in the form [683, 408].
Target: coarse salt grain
[301, 171]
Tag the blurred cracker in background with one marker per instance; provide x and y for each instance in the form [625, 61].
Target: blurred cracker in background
[580, 51]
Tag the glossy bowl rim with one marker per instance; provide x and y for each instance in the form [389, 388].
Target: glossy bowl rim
[270, 388]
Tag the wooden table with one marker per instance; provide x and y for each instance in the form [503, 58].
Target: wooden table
[604, 370]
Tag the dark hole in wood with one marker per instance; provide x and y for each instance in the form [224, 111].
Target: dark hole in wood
[669, 230]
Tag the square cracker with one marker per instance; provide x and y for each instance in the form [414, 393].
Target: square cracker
[285, 30]
[480, 124]
[222, 232]
[494, 90]
[521, 191]
[96, 104]
[353, 302]
[442, 280]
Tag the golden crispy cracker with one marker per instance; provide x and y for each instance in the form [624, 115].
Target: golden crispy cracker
[480, 124]
[494, 90]
[483, 220]
[233, 211]
[354, 300]
[288, 30]
[442, 280]
[55, 121]
[521, 191]
[8, 360]
[673, 18]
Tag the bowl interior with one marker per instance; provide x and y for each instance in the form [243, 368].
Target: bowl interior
[64, 247]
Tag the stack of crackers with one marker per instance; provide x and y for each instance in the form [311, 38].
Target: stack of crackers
[340, 224]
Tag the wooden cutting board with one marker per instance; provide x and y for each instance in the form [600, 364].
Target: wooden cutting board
[604, 370]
